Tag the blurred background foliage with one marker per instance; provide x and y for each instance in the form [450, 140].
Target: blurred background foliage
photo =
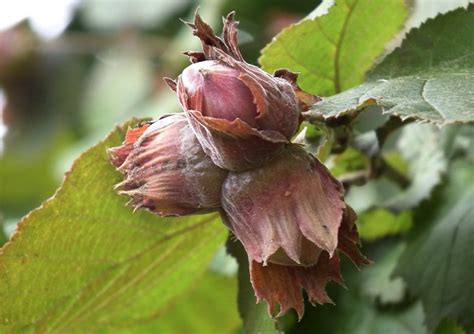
[71, 70]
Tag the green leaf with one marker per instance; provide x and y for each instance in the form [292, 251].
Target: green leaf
[333, 52]
[208, 308]
[363, 317]
[379, 223]
[429, 78]
[349, 161]
[437, 264]
[255, 316]
[85, 262]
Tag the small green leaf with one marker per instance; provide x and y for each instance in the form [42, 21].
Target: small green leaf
[85, 262]
[349, 161]
[379, 223]
[449, 327]
[333, 52]
[437, 263]
[429, 78]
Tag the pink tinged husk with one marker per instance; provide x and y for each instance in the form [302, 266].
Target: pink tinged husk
[166, 170]
[281, 286]
[275, 99]
[274, 96]
[215, 47]
[234, 146]
[241, 115]
[231, 88]
[216, 91]
[226, 120]
[290, 200]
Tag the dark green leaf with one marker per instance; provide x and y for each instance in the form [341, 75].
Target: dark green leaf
[84, 261]
[376, 280]
[429, 78]
[363, 317]
[357, 312]
[437, 264]
[333, 52]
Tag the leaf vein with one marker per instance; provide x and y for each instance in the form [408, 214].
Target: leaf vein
[307, 69]
[425, 99]
[342, 34]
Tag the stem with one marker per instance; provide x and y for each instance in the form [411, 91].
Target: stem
[394, 174]
[355, 178]
[389, 127]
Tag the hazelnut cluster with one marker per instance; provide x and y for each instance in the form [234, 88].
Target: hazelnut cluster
[230, 151]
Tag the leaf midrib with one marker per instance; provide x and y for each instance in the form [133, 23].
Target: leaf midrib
[342, 34]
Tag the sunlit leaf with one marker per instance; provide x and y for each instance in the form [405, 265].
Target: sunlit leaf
[332, 52]
[379, 223]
